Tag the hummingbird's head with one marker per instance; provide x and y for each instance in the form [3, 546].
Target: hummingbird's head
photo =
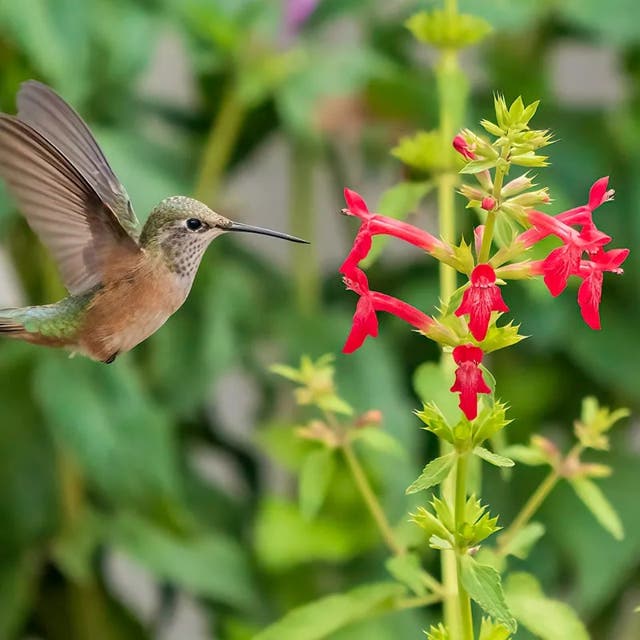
[182, 229]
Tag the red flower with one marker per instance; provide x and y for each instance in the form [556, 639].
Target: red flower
[365, 322]
[591, 272]
[469, 381]
[563, 261]
[480, 299]
[461, 146]
[375, 224]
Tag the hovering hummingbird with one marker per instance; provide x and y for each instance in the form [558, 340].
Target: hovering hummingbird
[124, 282]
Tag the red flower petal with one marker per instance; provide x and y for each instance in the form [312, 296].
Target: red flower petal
[481, 298]
[461, 146]
[589, 296]
[356, 206]
[364, 324]
[469, 381]
[598, 193]
[558, 266]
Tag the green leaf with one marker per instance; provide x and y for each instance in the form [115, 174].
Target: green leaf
[379, 440]
[19, 576]
[105, 419]
[434, 473]
[322, 617]
[210, 565]
[476, 166]
[438, 633]
[522, 542]
[290, 373]
[407, 569]
[448, 30]
[422, 151]
[484, 586]
[530, 456]
[435, 421]
[315, 478]
[284, 539]
[490, 630]
[546, 618]
[596, 502]
[397, 202]
[493, 458]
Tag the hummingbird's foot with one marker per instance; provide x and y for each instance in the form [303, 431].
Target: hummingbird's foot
[111, 358]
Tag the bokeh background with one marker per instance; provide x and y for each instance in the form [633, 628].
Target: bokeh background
[155, 498]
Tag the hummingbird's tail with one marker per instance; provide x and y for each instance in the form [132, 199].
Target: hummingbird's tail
[10, 325]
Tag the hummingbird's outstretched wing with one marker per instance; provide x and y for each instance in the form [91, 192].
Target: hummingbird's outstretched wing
[46, 112]
[62, 206]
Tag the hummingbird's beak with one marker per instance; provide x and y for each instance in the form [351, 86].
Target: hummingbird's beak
[248, 228]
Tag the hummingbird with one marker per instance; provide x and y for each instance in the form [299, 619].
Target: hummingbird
[123, 280]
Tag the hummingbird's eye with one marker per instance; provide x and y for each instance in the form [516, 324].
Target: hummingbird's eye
[193, 224]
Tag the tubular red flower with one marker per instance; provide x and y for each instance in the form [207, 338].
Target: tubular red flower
[469, 381]
[365, 321]
[375, 224]
[480, 299]
[461, 146]
[592, 274]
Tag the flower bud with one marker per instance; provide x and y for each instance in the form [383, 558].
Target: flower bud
[516, 186]
[488, 203]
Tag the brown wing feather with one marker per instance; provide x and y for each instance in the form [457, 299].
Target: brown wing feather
[46, 112]
[61, 206]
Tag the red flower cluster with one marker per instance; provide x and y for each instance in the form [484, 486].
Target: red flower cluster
[569, 258]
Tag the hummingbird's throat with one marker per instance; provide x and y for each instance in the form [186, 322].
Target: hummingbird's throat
[183, 258]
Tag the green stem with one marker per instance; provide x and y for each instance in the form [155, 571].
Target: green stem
[371, 500]
[305, 259]
[528, 510]
[489, 225]
[464, 602]
[222, 137]
[448, 284]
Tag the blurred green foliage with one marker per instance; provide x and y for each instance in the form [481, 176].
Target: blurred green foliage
[99, 460]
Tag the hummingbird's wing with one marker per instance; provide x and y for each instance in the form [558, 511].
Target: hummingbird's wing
[46, 112]
[62, 206]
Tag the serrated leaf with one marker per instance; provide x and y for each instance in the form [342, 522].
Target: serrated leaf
[438, 633]
[315, 478]
[493, 631]
[407, 569]
[600, 507]
[322, 617]
[501, 337]
[530, 456]
[380, 440]
[434, 473]
[484, 586]
[522, 542]
[493, 458]
[546, 618]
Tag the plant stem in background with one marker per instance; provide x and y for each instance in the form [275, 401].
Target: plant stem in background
[464, 603]
[528, 510]
[301, 224]
[371, 500]
[219, 145]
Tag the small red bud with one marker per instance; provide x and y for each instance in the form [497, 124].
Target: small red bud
[488, 203]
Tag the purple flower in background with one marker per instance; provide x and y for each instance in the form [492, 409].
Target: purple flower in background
[297, 12]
